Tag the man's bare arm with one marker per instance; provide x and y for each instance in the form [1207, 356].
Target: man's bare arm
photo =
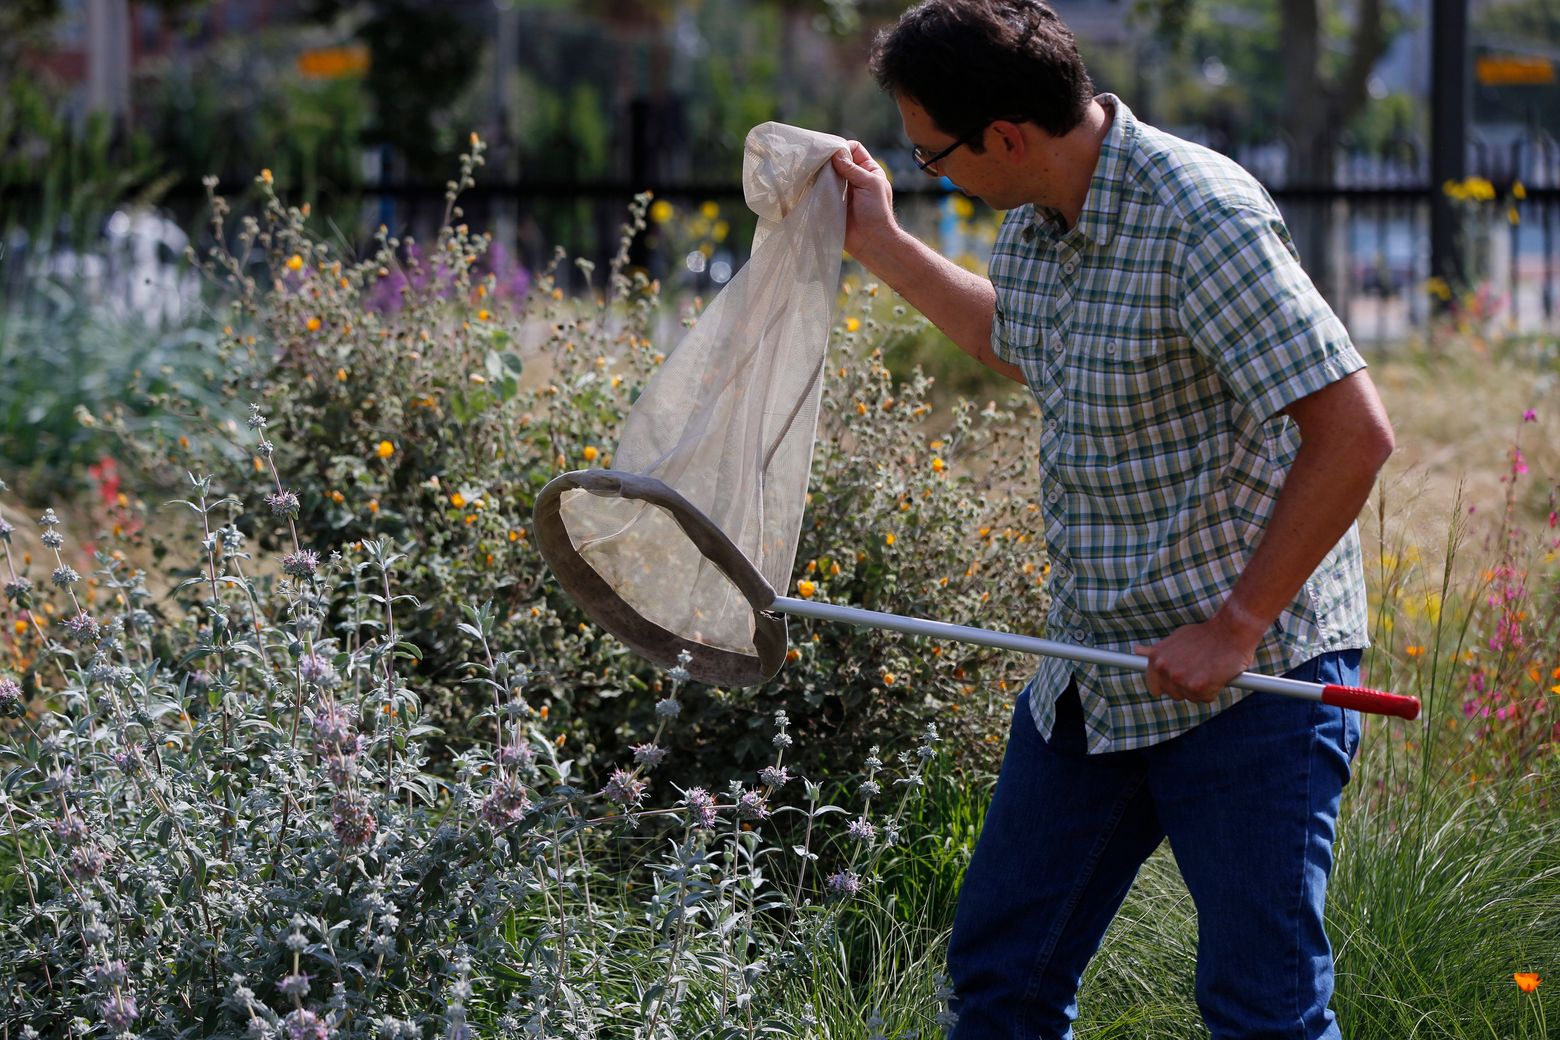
[960, 303]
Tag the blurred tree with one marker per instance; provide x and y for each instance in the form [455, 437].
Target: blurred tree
[1325, 56]
[423, 58]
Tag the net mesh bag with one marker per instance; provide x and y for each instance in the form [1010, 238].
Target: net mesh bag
[680, 545]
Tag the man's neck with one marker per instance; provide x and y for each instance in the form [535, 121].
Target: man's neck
[1075, 159]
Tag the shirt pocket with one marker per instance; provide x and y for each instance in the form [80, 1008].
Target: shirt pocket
[1120, 384]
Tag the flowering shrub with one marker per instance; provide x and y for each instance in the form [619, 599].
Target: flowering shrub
[218, 817]
[414, 402]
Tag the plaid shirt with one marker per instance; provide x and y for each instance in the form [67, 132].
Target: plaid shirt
[1161, 336]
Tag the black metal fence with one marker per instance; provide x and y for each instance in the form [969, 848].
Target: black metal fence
[1364, 238]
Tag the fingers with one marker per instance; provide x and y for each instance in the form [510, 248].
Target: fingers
[857, 166]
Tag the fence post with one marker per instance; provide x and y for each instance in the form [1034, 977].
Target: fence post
[1449, 97]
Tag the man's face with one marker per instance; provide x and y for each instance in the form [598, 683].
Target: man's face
[980, 174]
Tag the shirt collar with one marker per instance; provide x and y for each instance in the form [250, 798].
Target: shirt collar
[1102, 205]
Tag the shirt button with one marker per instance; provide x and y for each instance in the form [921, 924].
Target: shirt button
[1110, 348]
[1054, 496]
[1052, 424]
[1079, 635]
[1056, 343]
[1069, 267]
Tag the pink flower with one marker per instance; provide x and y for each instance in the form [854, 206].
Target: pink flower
[1530, 416]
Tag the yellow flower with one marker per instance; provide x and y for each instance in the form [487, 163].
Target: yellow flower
[710, 210]
[341, 375]
[590, 453]
[265, 175]
[963, 208]
[313, 324]
[458, 500]
[295, 262]
[805, 589]
[385, 449]
[938, 465]
[888, 678]
[662, 212]
[852, 324]
[888, 539]
[483, 315]
[475, 139]
[1518, 191]
[861, 409]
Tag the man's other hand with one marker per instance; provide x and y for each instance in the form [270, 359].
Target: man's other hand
[1195, 662]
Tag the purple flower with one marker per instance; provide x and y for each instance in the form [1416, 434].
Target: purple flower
[334, 733]
[861, 829]
[86, 862]
[10, 694]
[843, 884]
[752, 805]
[18, 590]
[301, 564]
[305, 1025]
[294, 985]
[1530, 416]
[775, 776]
[64, 576]
[83, 628]
[702, 803]
[5, 529]
[284, 505]
[518, 753]
[317, 669]
[351, 819]
[110, 973]
[506, 803]
[72, 830]
[340, 770]
[648, 755]
[624, 788]
[119, 1011]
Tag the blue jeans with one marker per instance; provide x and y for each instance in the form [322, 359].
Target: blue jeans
[1249, 801]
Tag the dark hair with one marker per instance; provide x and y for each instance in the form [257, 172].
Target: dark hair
[968, 62]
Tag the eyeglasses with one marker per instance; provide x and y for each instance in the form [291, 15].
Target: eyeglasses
[928, 163]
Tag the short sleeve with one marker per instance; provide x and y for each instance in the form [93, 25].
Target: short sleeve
[1250, 308]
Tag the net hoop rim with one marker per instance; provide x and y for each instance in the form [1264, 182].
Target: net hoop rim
[606, 608]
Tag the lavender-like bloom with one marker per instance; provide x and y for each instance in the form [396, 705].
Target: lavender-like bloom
[703, 805]
[52, 538]
[775, 776]
[86, 862]
[334, 732]
[351, 819]
[256, 420]
[18, 591]
[340, 770]
[870, 788]
[624, 788]
[301, 564]
[64, 576]
[667, 708]
[317, 669]
[48, 519]
[305, 1025]
[294, 985]
[110, 973]
[751, 805]
[506, 803]
[861, 830]
[845, 883]
[5, 529]
[83, 628]
[648, 755]
[284, 505]
[119, 1011]
[72, 830]
[518, 753]
[10, 694]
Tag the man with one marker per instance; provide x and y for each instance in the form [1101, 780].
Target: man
[1209, 436]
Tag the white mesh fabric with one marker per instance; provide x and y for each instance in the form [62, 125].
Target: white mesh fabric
[727, 424]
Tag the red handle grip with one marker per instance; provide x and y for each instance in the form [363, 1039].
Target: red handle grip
[1374, 701]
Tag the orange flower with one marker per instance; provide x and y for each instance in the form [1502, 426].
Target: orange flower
[590, 453]
[457, 500]
[385, 449]
[888, 678]
[1527, 981]
[805, 589]
[313, 324]
[295, 262]
[938, 465]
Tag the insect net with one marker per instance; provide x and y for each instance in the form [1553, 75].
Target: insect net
[680, 545]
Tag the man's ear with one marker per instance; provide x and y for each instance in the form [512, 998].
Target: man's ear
[1012, 137]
